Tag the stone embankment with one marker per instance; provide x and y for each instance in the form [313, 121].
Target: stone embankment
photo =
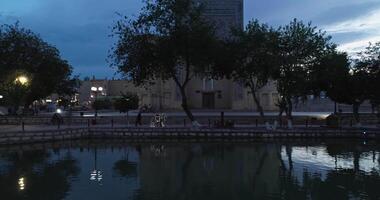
[63, 134]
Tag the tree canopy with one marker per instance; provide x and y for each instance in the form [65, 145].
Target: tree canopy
[169, 40]
[24, 53]
[302, 47]
[254, 52]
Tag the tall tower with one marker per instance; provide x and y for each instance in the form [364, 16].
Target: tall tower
[225, 14]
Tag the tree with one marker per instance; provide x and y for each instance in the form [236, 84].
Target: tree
[14, 93]
[126, 102]
[169, 40]
[343, 81]
[370, 60]
[367, 73]
[254, 51]
[23, 50]
[301, 48]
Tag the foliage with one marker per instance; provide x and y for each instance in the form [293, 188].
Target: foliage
[126, 102]
[369, 59]
[102, 104]
[302, 47]
[169, 40]
[344, 82]
[14, 95]
[23, 50]
[254, 51]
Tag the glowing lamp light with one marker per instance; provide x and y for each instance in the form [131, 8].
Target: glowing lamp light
[100, 88]
[1, 96]
[94, 89]
[59, 111]
[23, 80]
[21, 183]
[48, 100]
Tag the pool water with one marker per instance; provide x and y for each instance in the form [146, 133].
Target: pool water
[291, 169]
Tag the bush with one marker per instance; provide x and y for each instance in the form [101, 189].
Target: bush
[102, 104]
[126, 102]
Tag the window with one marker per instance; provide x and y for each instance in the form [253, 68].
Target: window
[238, 91]
[208, 84]
[275, 98]
[265, 99]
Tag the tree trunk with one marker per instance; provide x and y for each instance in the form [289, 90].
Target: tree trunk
[259, 107]
[356, 160]
[378, 115]
[289, 151]
[289, 111]
[355, 109]
[185, 105]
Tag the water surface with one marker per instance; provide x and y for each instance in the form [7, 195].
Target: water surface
[111, 170]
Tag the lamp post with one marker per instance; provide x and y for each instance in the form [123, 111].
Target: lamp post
[23, 81]
[96, 90]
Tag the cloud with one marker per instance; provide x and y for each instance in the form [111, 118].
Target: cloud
[356, 46]
[367, 25]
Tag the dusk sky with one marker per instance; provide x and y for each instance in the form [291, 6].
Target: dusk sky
[80, 29]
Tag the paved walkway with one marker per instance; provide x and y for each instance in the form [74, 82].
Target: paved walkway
[195, 113]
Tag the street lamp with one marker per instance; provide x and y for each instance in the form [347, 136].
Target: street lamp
[23, 80]
[96, 90]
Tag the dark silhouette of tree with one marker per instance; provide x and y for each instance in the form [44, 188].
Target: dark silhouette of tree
[169, 40]
[343, 81]
[254, 51]
[301, 47]
[369, 59]
[22, 51]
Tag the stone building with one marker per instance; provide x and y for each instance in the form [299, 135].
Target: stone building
[203, 93]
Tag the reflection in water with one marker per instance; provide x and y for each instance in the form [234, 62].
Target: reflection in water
[96, 174]
[36, 174]
[267, 170]
[21, 183]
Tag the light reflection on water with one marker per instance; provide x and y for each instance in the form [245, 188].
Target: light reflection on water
[260, 170]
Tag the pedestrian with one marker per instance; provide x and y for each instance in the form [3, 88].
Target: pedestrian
[138, 119]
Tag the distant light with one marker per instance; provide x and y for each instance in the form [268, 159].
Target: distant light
[92, 96]
[94, 89]
[100, 88]
[59, 111]
[21, 183]
[48, 100]
[22, 79]
[1, 96]
[96, 175]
